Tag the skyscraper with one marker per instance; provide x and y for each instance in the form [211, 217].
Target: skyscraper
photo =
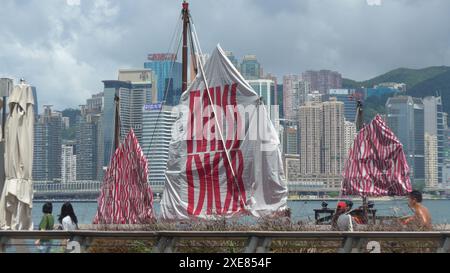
[405, 116]
[87, 147]
[250, 68]
[135, 89]
[349, 97]
[36, 104]
[323, 80]
[290, 140]
[68, 164]
[168, 72]
[322, 142]
[332, 146]
[350, 134]
[289, 95]
[266, 90]
[233, 59]
[431, 160]
[47, 146]
[310, 119]
[435, 124]
[157, 133]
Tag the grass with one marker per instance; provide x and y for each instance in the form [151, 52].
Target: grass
[277, 246]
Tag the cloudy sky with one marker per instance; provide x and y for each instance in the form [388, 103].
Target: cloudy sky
[67, 47]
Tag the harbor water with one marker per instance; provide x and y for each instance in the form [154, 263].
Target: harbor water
[300, 210]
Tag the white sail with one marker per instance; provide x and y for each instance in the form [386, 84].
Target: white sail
[204, 179]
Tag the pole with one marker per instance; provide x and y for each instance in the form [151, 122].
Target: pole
[116, 125]
[359, 126]
[185, 13]
[3, 117]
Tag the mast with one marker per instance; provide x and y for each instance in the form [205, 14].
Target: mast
[116, 124]
[359, 126]
[185, 13]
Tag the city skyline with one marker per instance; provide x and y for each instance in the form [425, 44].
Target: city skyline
[70, 48]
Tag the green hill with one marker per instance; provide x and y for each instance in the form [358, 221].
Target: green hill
[439, 85]
[430, 81]
[411, 77]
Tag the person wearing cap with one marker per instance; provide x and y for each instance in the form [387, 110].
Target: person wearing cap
[342, 220]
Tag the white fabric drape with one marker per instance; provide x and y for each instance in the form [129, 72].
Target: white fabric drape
[17, 196]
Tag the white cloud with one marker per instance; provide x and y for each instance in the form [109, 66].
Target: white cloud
[66, 48]
[374, 2]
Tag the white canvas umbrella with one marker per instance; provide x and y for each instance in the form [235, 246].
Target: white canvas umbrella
[17, 196]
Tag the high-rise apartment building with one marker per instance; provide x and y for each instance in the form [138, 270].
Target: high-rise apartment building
[47, 146]
[310, 120]
[333, 133]
[68, 164]
[290, 95]
[88, 142]
[323, 80]
[322, 142]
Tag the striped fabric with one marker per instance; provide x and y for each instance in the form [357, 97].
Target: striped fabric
[126, 197]
[376, 165]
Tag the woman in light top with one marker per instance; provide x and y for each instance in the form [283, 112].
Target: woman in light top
[69, 222]
[67, 218]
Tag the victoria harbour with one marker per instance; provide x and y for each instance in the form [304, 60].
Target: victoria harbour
[301, 210]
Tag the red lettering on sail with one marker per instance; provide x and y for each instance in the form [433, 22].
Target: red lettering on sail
[203, 127]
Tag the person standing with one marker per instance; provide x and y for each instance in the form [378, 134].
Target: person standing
[46, 223]
[68, 220]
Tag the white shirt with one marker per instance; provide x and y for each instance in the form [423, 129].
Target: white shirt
[68, 224]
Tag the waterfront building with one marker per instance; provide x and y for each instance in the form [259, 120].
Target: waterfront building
[88, 144]
[47, 146]
[431, 161]
[350, 134]
[435, 124]
[310, 120]
[168, 74]
[322, 142]
[405, 116]
[157, 133]
[332, 146]
[68, 163]
[134, 89]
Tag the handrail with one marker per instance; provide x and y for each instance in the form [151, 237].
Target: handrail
[165, 241]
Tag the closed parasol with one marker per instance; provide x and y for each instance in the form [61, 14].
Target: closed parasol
[17, 195]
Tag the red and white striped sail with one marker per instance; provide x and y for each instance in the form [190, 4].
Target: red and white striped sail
[376, 165]
[126, 196]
